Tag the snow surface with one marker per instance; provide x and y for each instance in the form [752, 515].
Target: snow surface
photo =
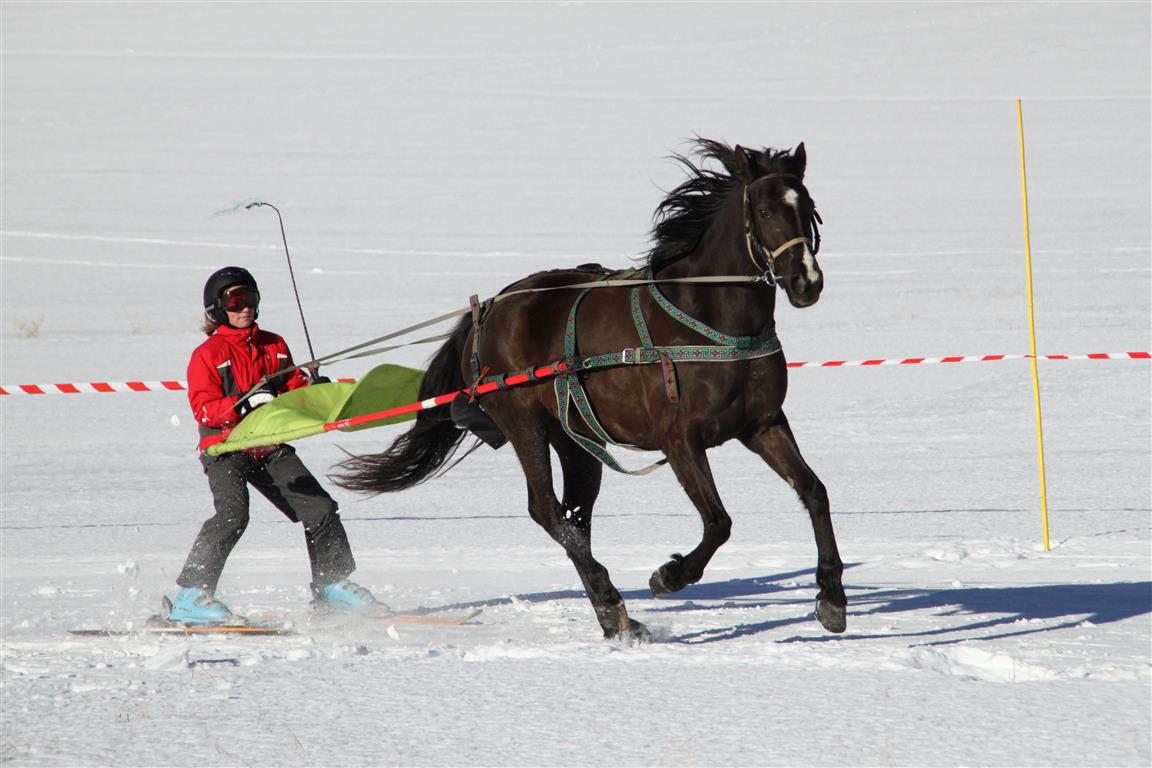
[422, 153]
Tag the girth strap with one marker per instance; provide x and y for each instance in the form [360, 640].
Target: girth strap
[570, 391]
[671, 390]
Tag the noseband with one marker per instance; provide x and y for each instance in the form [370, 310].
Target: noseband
[752, 241]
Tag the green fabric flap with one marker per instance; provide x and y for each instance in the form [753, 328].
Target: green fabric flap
[304, 412]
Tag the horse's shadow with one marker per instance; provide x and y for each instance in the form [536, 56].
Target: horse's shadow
[1018, 610]
[745, 590]
[993, 612]
[1008, 611]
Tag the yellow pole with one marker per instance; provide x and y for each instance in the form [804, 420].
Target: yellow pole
[1032, 329]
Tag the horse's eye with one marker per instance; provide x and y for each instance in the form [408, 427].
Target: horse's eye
[765, 213]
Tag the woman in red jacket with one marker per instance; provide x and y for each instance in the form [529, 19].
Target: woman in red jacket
[234, 358]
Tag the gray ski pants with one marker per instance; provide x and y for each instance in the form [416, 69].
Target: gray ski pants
[284, 480]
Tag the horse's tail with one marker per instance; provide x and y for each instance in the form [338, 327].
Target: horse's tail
[428, 444]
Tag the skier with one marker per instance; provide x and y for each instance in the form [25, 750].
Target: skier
[234, 358]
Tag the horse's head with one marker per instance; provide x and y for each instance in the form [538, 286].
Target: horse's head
[780, 221]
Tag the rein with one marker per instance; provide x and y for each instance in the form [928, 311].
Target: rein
[344, 354]
[612, 283]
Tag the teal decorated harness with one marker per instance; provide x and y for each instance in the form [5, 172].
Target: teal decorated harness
[570, 391]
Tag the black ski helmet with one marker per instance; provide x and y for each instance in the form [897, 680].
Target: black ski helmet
[221, 280]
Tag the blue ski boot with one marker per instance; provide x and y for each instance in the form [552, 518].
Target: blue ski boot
[348, 597]
[199, 607]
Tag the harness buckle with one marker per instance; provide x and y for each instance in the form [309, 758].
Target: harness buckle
[624, 359]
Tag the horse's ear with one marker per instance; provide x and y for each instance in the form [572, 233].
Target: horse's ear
[742, 163]
[799, 160]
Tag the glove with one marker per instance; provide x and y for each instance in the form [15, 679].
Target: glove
[314, 377]
[260, 397]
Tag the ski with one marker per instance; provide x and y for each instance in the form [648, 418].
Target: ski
[258, 630]
[159, 626]
[444, 619]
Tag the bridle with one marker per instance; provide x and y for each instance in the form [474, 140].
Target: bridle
[769, 257]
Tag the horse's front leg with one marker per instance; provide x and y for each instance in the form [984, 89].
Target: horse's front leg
[776, 444]
[690, 463]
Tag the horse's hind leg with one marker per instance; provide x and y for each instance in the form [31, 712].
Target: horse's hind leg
[582, 475]
[572, 530]
[690, 463]
[777, 446]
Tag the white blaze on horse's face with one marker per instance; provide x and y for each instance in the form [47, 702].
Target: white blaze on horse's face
[792, 199]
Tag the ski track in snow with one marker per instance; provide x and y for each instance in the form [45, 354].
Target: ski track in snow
[421, 154]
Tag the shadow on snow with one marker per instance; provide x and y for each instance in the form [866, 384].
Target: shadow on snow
[1010, 611]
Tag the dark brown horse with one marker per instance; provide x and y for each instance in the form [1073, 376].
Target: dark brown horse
[709, 371]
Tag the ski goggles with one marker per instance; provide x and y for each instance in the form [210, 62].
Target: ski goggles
[237, 299]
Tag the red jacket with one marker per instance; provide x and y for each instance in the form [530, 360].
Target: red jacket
[229, 363]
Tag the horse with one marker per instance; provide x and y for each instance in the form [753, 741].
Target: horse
[722, 242]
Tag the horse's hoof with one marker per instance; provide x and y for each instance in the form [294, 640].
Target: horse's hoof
[635, 634]
[833, 617]
[657, 586]
[667, 578]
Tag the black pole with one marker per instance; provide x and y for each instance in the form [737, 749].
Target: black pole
[291, 273]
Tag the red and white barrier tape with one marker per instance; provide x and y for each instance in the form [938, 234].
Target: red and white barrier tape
[90, 387]
[100, 387]
[973, 359]
[180, 386]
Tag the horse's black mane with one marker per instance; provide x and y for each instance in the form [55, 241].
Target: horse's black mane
[685, 213]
